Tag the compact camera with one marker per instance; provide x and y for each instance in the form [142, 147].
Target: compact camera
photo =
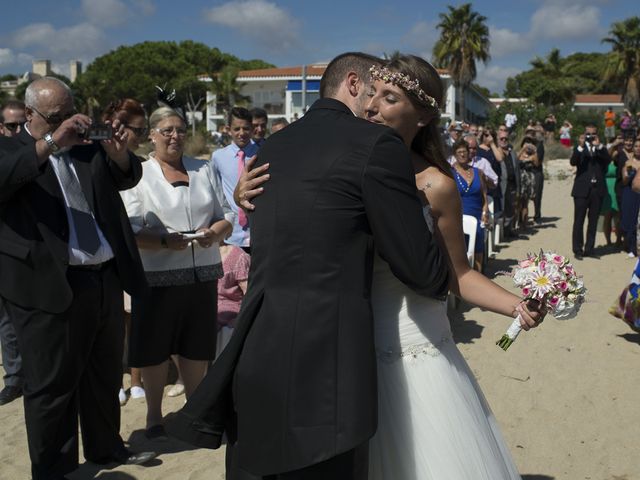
[97, 131]
[590, 138]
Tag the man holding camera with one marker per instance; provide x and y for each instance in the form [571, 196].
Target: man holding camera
[66, 253]
[591, 159]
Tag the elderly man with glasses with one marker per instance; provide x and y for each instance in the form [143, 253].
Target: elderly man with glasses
[66, 253]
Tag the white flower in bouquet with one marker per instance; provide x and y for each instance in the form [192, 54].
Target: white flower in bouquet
[549, 278]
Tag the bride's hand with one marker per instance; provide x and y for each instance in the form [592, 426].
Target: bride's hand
[249, 183]
[532, 313]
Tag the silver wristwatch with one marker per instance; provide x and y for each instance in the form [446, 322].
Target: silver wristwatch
[52, 145]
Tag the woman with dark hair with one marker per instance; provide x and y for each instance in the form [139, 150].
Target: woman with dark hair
[472, 187]
[630, 201]
[134, 118]
[529, 162]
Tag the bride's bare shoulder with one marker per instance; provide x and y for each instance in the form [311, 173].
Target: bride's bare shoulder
[438, 187]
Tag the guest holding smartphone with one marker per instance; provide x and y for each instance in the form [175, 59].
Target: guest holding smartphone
[179, 216]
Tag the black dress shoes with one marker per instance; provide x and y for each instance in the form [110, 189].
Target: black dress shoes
[9, 394]
[126, 457]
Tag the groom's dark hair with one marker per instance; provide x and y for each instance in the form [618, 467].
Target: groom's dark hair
[341, 65]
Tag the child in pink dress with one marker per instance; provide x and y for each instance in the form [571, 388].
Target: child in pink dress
[232, 288]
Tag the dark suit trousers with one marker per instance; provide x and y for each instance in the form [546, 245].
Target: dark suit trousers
[537, 201]
[11, 360]
[350, 465]
[588, 207]
[72, 365]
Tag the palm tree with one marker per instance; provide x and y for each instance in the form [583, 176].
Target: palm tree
[227, 89]
[464, 39]
[624, 38]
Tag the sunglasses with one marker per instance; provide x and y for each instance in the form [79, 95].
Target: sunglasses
[13, 126]
[56, 118]
[140, 131]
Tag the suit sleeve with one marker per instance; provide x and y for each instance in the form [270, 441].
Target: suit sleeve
[17, 168]
[397, 223]
[576, 156]
[126, 180]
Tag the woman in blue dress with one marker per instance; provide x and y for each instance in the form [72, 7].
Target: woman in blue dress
[630, 201]
[473, 191]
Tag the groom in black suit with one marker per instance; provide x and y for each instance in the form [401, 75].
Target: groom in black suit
[300, 370]
[66, 253]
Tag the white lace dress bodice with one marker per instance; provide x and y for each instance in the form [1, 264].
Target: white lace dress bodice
[433, 420]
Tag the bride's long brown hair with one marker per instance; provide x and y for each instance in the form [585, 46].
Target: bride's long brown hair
[428, 141]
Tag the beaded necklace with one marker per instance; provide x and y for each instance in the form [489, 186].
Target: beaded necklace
[461, 181]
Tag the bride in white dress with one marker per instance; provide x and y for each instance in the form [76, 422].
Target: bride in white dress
[433, 420]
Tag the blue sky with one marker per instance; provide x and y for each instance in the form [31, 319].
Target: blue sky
[293, 32]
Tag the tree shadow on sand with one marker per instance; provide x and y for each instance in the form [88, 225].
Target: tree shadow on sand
[535, 476]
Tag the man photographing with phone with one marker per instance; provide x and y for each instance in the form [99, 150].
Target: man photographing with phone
[591, 159]
[66, 253]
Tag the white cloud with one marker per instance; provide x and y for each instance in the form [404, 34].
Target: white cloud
[108, 13]
[83, 41]
[7, 57]
[422, 36]
[505, 42]
[494, 77]
[559, 22]
[146, 7]
[265, 22]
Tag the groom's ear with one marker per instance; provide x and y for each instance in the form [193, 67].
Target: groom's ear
[353, 83]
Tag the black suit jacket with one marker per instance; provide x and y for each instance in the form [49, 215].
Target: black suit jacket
[34, 230]
[589, 165]
[302, 360]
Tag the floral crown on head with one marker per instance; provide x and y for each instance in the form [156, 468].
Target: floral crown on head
[404, 81]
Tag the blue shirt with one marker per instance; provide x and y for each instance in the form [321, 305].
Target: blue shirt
[224, 165]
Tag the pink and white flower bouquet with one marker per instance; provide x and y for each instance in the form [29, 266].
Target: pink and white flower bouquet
[550, 279]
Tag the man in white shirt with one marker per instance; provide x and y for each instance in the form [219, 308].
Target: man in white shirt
[510, 120]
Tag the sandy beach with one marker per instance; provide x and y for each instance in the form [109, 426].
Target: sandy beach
[565, 394]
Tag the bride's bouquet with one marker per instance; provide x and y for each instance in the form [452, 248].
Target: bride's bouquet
[550, 279]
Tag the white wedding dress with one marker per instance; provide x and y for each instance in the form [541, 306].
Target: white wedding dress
[433, 422]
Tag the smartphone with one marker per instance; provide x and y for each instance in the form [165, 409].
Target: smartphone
[98, 131]
[193, 236]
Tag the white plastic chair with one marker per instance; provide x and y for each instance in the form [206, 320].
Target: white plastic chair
[490, 234]
[469, 227]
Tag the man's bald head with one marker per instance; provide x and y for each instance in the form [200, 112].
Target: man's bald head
[48, 102]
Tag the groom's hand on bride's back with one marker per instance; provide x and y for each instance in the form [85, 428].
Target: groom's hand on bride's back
[532, 313]
[249, 184]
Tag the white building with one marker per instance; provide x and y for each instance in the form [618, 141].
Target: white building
[280, 92]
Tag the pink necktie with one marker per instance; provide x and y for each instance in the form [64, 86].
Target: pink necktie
[242, 217]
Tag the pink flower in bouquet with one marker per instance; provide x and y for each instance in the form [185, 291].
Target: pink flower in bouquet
[558, 259]
[525, 263]
[553, 302]
[526, 292]
[562, 286]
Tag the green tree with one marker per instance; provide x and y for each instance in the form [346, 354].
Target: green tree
[464, 39]
[134, 71]
[624, 38]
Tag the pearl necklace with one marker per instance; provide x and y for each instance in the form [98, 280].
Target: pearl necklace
[461, 182]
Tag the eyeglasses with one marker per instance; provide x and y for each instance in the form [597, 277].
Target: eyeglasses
[141, 131]
[167, 132]
[53, 119]
[13, 126]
